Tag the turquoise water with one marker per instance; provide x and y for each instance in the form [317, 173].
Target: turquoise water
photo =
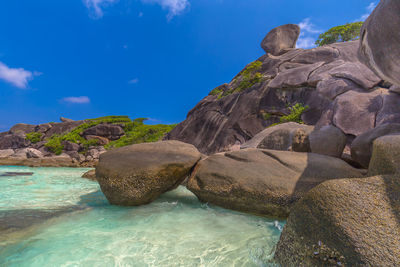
[56, 218]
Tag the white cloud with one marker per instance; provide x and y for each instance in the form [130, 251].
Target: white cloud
[77, 99]
[18, 77]
[369, 9]
[134, 81]
[308, 34]
[96, 6]
[174, 7]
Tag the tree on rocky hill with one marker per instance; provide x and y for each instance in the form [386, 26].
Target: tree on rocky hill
[343, 33]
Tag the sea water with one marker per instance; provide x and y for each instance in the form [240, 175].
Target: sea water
[57, 218]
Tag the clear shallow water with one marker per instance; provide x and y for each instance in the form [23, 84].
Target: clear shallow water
[175, 230]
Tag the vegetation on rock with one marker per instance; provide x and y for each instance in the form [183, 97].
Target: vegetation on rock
[294, 116]
[34, 137]
[138, 132]
[343, 33]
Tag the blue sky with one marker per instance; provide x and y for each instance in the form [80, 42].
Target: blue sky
[143, 58]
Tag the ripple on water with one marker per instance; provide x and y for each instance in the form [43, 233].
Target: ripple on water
[175, 230]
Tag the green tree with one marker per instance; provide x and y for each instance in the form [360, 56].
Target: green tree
[343, 33]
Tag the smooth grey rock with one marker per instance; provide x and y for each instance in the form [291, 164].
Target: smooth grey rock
[69, 146]
[322, 54]
[294, 77]
[333, 87]
[281, 38]
[361, 148]
[390, 111]
[14, 141]
[21, 153]
[395, 89]
[379, 42]
[328, 140]
[43, 128]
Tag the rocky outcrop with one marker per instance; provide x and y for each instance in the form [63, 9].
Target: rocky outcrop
[138, 174]
[380, 38]
[346, 222]
[6, 153]
[385, 156]
[361, 147]
[22, 128]
[265, 182]
[109, 131]
[14, 141]
[327, 140]
[337, 88]
[289, 136]
[280, 39]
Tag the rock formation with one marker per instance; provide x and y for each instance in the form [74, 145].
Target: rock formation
[261, 181]
[336, 87]
[138, 174]
[380, 38]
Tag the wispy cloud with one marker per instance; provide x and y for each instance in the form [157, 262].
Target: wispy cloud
[96, 6]
[369, 10]
[134, 81]
[18, 77]
[174, 7]
[76, 99]
[309, 33]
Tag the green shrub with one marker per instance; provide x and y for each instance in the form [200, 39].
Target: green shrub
[343, 33]
[295, 114]
[54, 144]
[250, 76]
[34, 137]
[141, 133]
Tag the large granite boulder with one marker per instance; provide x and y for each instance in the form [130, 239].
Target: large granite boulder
[385, 156]
[266, 182]
[109, 131]
[345, 222]
[380, 38]
[22, 128]
[327, 140]
[361, 147]
[62, 127]
[138, 174]
[289, 136]
[281, 38]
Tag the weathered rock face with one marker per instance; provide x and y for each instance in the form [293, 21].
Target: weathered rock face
[14, 141]
[259, 181]
[361, 147]
[385, 156]
[280, 39]
[138, 174]
[380, 38]
[22, 128]
[109, 131]
[62, 127]
[6, 153]
[289, 136]
[339, 90]
[354, 222]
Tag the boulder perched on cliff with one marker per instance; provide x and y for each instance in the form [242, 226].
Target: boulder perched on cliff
[361, 147]
[289, 136]
[346, 222]
[380, 38]
[260, 181]
[337, 88]
[281, 38]
[385, 156]
[138, 174]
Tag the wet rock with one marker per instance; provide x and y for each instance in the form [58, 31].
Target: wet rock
[344, 222]
[260, 181]
[280, 39]
[138, 174]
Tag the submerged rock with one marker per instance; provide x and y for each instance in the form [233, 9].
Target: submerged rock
[345, 222]
[260, 181]
[138, 174]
